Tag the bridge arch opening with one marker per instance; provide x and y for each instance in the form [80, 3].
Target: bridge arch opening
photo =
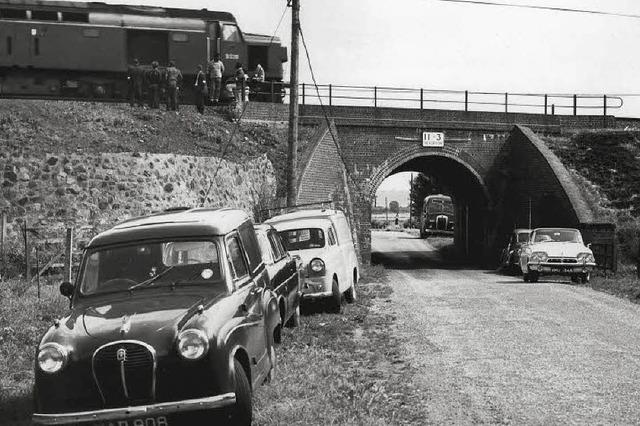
[455, 177]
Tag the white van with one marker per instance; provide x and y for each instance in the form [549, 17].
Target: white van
[322, 239]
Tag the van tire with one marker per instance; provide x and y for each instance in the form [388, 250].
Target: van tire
[350, 295]
[337, 296]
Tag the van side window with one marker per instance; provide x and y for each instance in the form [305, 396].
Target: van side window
[251, 246]
[268, 254]
[332, 237]
[276, 241]
[343, 229]
[236, 258]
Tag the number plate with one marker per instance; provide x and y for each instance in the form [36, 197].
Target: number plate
[143, 421]
[558, 270]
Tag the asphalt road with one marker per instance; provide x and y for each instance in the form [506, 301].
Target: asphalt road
[489, 348]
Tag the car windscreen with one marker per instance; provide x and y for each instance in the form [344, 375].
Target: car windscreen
[303, 239]
[557, 235]
[121, 268]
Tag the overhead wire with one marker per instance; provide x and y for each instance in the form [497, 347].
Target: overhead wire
[538, 7]
[237, 125]
[322, 107]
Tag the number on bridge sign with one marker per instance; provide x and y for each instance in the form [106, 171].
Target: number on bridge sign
[433, 139]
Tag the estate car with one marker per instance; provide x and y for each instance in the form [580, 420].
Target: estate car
[284, 275]
[171, 322]
[322, 239]
[556, 251]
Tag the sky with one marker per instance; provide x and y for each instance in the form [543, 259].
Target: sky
[436, 44]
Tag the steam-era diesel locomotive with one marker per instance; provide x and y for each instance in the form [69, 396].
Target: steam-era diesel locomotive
[59, 49]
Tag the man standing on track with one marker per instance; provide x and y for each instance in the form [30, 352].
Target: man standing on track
[135, 77]
[215, 70]
[174, 78]
[154, 77]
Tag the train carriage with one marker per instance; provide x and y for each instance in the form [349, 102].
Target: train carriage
[83, 50]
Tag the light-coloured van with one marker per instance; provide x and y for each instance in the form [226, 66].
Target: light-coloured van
[323, 240]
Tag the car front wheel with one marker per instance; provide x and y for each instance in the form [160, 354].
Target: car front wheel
[241, 413]
[584, 277]
[294, 321]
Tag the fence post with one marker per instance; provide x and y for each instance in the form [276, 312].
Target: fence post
[25, 236]
[575, 104]
[545, 104]
[604, 117]
[375, 96]
[330, 95]
[466, 101]
[38, 270]
[3, 237]
[421, 99]
[68, 254]
[506, 102]
[303, 93]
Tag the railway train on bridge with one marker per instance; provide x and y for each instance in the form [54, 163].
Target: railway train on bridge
[59, 49]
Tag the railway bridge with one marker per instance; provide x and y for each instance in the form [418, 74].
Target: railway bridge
[494, 164]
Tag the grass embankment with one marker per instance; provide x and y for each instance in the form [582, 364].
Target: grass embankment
[23, 320]
[36, 127]
[333, 369]
[606, 166]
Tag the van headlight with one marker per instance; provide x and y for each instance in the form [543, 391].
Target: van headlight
[192, 344]
[317, 266]
[52, 357]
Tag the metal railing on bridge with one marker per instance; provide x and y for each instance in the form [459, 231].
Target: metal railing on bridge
[464, 100]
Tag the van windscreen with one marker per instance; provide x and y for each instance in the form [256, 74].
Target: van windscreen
[303, 239]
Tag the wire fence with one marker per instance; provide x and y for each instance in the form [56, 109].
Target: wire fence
[40, 251]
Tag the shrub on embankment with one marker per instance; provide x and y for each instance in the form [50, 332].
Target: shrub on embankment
[606, 164]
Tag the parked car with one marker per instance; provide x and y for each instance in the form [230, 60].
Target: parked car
[323, 240]
[171, 322]
[510, 256]
[284, 273]
[556, 251]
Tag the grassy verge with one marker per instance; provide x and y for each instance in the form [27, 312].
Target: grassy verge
[23, 320]
[623, 284]
[333, 369]
[342, 369]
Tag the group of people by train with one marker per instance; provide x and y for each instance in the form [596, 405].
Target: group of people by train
[168, 83]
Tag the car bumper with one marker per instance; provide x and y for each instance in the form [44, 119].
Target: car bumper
[110, 414]
[561, 269]
[316, 287]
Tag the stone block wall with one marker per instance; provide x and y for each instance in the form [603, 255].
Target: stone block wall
[91, 192]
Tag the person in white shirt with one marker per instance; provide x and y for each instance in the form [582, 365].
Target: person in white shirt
[215, 70]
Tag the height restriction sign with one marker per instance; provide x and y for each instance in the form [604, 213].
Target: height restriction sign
[433, 139]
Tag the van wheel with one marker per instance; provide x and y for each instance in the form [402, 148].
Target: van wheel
[241, 413]
[337, 296]
[350, 294]
[294, 321]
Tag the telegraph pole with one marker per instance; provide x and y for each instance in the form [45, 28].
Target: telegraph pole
[292, 158]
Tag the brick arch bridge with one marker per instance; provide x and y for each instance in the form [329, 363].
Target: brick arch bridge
[499, 171]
